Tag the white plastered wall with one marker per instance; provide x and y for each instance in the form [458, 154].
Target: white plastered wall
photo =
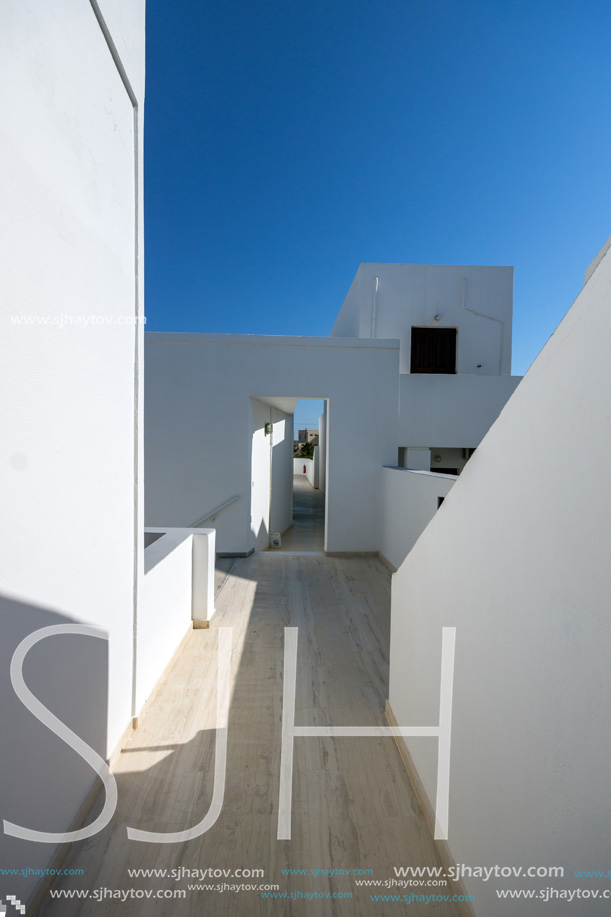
[322, 440]
[451, 411]
[70, 223]
[518, 562]
[410, 499]
[198, 427]
[281, 510]
[271, 472]
[307, 467]
[178, 588]
[165, 608]
[386, 300]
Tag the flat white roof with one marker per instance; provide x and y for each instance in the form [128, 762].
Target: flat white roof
[268, 340]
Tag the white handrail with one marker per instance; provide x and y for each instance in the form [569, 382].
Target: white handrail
[214, 512]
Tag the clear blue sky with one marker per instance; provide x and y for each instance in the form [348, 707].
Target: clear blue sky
[288, 142]
[307, 414]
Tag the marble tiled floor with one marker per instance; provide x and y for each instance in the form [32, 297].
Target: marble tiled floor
[353, 806]
[308, 530]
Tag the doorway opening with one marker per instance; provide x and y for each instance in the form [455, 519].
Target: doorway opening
[289, 474]
[309, 477]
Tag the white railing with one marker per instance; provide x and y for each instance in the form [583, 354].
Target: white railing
[214, 512]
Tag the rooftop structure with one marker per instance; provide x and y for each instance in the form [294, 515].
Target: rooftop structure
[428, 421]
[307, 436]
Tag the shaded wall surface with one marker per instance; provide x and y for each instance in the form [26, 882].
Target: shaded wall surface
[518, 561]
[70, 294]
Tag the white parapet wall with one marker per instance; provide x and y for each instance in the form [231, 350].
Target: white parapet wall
[165, 609]
[447, 410]
[310, 469]
[518, 562]
[178, 589]
[410, 499]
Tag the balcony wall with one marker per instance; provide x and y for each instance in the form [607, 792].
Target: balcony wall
[450, 410]
[410, 499]
[310, 468]
[177, 590]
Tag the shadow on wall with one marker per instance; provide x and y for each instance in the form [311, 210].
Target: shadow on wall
[261, 536]
[44, 781]
[271, 473]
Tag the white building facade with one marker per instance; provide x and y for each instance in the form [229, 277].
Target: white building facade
[454, 325]
[412, 351]
[209, 398]
[71, 223]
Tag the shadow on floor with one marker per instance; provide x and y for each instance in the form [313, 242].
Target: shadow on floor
[352, 804]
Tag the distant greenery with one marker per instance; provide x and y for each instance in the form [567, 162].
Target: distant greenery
[306, 450]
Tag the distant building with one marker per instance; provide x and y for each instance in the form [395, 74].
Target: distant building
[308, 436]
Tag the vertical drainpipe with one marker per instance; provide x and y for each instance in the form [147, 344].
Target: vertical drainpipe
[374, 307]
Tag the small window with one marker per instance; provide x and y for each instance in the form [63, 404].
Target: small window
[433, 350]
